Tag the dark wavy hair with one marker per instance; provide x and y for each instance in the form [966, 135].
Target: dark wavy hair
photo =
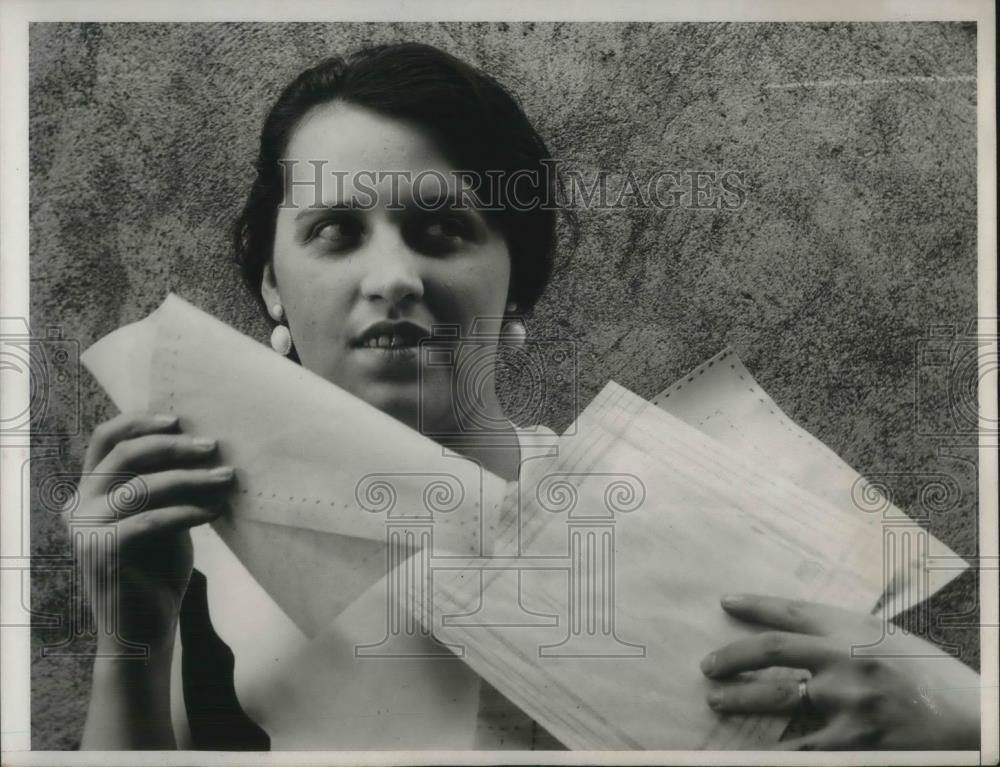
[476, 123]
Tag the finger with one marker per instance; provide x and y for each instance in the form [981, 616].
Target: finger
[146, 492]
[785, 614]
[773, 696]
[771, 648]
[124, 426]
[155, 451]
[171, 519]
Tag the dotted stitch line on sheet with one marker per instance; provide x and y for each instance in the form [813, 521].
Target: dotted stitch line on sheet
[773, 409]
[260, 497]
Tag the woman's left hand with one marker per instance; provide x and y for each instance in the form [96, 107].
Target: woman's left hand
[901, 693]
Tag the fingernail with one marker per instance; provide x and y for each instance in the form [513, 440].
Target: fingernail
[732, 600]
[164, 418]
[708, 663]
[204, 443]
[223, 472]
[715, 698]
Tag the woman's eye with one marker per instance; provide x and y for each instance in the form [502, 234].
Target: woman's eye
[337, 233]
[441, 234]
[448, 228]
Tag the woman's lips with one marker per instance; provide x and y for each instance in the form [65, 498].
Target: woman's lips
[393, 362]
[391, 334]
[395, 341]
[393, 349]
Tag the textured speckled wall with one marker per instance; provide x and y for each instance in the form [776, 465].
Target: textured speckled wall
[858, 232]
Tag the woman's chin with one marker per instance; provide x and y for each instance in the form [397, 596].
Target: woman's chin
[405, 403]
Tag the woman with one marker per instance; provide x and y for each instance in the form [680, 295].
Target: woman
[353, 265]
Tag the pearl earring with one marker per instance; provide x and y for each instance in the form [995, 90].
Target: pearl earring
[281, 340]
[513, 333]
[281, 337]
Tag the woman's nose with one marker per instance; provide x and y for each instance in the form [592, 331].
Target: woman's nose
[391, 274]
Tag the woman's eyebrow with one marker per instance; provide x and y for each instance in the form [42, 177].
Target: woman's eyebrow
[436, 201]
[432, 202]
[312, 210]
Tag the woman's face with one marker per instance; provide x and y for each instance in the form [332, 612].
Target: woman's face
[359, 287]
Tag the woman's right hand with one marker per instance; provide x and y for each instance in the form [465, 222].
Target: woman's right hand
[151, 483]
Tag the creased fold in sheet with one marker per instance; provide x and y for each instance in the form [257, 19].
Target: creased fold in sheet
[311, 459]
[684, 520]
[586, 594]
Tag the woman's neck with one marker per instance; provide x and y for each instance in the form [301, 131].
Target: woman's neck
[498, 451]
[489, 438]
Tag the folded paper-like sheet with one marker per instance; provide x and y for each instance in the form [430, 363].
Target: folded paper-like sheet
[586, 593]
[687, 520]
[721, 399]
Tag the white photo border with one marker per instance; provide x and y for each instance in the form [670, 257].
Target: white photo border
[16, 15]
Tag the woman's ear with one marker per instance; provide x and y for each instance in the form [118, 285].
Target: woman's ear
[269, 289]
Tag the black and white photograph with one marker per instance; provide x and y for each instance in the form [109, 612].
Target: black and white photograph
[406, 385]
